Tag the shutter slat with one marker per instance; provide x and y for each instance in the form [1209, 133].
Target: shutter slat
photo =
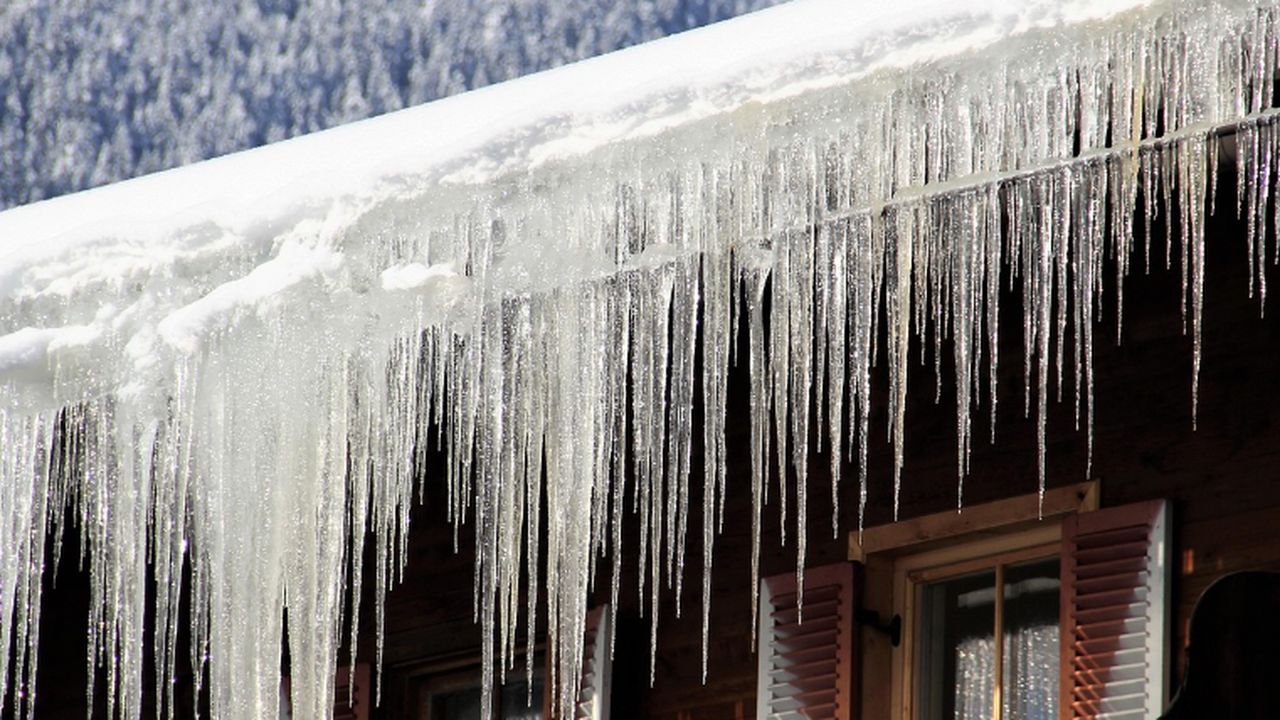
[1127, 536]
[814, 592]
[1113, 643]
[803, 655]
[1111, 689]
[823, 667]
[1137, 563]
[1108, 612]
[819, 608]
[1110, 598]
[819, 713]
[810, 641]
[1113, 582]
[1102, 675]
[804, 684]
[1129, 701]
[1104, 661]
[806, 698]
[812, 624]
[1111, 554]
[805, 702]
[1107, 628]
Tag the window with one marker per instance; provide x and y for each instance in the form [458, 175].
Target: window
[1077, 600]
[955, 611]
[453, 692]
[456, 696]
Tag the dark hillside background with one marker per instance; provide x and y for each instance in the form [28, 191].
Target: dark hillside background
[96, 91]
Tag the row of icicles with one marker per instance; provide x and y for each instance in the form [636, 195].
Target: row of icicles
[873, 219]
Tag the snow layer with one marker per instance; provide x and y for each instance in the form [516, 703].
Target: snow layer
[236, 367]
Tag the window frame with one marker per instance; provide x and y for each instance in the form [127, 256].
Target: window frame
[427, 679]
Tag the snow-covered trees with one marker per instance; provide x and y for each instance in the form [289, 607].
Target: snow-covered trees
[95, 91]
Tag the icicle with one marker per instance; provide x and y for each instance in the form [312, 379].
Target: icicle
[1268, 141]
[25, 469]
[1039, 313]
[964, 271]
[868, 279]
[801, 284]
[679, 408]
[781, 317]
[754, 279]
[836, 332]
[1193, 184]
[991, 297]
[717, 271]
[1087, 240]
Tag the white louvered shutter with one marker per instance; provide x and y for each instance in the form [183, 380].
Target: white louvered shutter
[807, 658]
[593, 695]
[352, 696]
[1115, 588]
[593, 684]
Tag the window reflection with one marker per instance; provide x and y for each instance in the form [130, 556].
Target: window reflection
[959, 660]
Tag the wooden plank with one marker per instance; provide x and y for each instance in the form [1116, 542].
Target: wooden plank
[998, 516]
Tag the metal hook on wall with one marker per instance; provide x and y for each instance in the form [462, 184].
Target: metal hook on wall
[893, 628]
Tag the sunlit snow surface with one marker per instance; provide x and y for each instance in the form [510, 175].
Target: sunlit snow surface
[238, 365]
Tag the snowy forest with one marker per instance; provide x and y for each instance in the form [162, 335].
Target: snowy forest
[96, 91]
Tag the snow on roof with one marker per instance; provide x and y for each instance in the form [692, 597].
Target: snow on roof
[223, 343]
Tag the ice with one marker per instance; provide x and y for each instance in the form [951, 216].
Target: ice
[233, 373]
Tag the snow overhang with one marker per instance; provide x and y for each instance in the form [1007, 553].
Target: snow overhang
[505, 262]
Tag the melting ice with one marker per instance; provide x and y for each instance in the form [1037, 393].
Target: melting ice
[233, 370]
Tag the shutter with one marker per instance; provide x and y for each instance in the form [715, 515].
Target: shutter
[351, 693]
[807, 660]
[593, 690]
[1115, 587]
[593, 684]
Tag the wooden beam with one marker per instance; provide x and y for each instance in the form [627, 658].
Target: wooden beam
[994, 517]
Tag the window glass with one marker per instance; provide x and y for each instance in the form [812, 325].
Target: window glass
[515, 704]
[959, 659]
[1031, 640]
[460, 700]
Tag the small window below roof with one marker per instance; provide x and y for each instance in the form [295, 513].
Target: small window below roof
[962, 671]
